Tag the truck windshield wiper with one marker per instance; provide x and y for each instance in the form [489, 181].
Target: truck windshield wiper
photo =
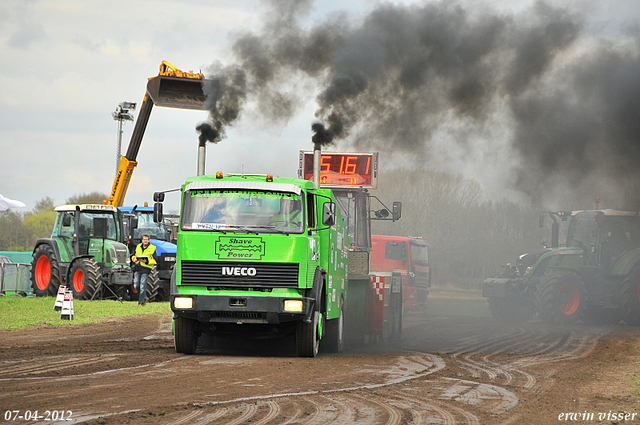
[264, 226]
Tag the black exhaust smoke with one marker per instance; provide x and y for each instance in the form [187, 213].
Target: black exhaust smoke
[565, 101]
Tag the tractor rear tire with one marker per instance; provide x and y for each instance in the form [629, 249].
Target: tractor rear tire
[153, 285]
[45, 272]
[84, 278]
[333, 342]
[630, 298]
[308, 336]
[185, 335]
[511, 310]
[561, 298]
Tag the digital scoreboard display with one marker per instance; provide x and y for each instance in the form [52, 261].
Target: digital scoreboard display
[340, 169]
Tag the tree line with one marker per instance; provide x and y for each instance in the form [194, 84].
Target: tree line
[19, 231]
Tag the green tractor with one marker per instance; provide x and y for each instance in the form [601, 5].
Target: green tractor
[595, 277]
[85, 250]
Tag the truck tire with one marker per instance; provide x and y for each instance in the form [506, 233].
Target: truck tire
[153, 285]
[308, 336]
[45, 272]
[561, 298]
[630, 298]
[333, 341]
[511, 310]
[185, 335]
[84, 278]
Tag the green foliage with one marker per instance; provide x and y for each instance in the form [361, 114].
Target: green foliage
[22, 313]
[87, 198]
[19, 231]
[14, 236]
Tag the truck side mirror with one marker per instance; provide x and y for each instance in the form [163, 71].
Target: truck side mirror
[157, 212]
[397, 210]
[134, 223]
[66, 220]
[329, 214]
[158, 197]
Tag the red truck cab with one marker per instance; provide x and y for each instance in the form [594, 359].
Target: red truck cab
[408, 256]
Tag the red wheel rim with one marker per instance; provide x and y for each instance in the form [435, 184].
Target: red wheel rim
[568, 299]
[78, 283]
[133, 289]
[43, 273]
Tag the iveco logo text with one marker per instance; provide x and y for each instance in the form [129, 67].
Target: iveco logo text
[239, 271]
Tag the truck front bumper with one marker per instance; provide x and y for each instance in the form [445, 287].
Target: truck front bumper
[242, 310]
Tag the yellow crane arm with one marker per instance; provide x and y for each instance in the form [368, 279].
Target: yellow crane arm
[172, 88]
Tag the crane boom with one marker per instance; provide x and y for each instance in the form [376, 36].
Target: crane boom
[172, 88]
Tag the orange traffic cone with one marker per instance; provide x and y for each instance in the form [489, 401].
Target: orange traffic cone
[58, 305]
[67, 306]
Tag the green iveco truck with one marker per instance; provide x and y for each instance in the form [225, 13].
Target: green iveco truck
[259, 257]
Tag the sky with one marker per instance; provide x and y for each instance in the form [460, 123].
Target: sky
[494, 112]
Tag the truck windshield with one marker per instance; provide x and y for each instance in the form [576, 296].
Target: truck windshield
[419, 253]
[242, 210]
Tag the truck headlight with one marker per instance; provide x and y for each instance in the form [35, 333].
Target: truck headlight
[294, 306]
[183, 302]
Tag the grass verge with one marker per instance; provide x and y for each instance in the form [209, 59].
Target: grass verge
[23, 313]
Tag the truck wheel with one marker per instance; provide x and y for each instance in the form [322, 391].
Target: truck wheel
[630, 298]
[45, 272]
[561, 298]
[84, 278]
[153, 285]
[185, 335]
[333, 342]
[511, 310]
[308, 336]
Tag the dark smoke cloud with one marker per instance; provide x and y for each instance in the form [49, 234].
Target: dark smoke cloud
[402, 74]
[207, 134]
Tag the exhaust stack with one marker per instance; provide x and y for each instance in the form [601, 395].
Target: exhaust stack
[202, 154]
[317, 151]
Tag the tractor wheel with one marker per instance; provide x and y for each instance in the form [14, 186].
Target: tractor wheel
[45, 272]
[308, 336]
[120, 291]
[511, 310]
[561, 298]
[333, 342]
[597, 315]
[153, 285]
[84, 278]
[163, 291]
[185, 335]
[630, 298]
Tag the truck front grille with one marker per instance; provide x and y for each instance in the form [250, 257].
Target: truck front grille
[245, 275]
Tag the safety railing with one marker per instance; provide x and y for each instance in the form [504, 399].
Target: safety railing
[15, 279]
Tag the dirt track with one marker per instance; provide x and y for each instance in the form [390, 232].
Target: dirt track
[445, 370]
